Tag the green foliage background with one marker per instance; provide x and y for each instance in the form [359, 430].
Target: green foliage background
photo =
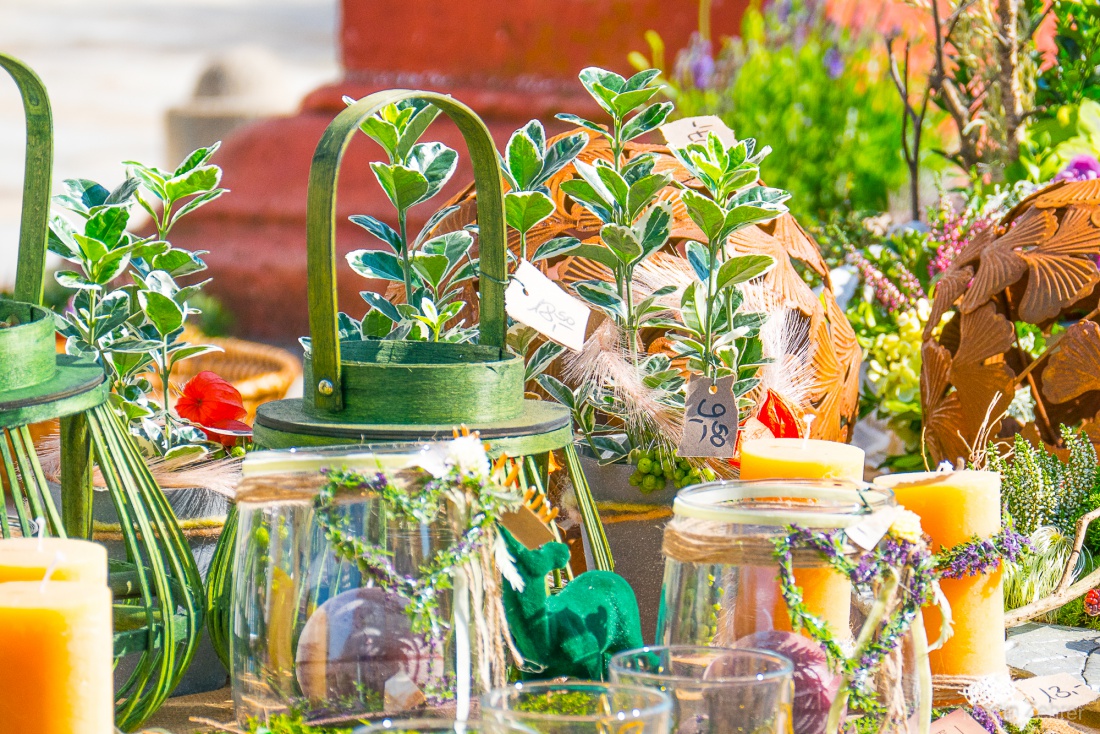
[820, 98]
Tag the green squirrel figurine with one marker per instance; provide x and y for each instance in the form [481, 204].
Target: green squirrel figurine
[576, 631]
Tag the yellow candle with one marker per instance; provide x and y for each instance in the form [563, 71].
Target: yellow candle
[826, 592]
[27, 559]
[953, 508]
[799, 458]
[56, 658]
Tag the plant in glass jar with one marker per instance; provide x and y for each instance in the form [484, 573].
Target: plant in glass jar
[129, 306]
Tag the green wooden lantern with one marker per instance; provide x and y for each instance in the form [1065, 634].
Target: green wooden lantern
[398, 391]
[157, 589]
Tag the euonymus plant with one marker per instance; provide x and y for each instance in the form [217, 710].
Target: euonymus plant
[128, 310]
[430, 270]
[716, 338]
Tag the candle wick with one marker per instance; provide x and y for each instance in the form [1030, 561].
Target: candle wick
[40, 527]
[58, 559]
[808, 419]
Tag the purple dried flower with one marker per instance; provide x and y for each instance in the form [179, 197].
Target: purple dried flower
[834, 63]
[1081, 168]
[987, 719]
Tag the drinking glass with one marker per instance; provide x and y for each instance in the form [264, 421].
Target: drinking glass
[714, 690]
[440, 726]
[577, 707]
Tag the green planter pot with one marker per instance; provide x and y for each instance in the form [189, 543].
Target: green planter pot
[423, 383]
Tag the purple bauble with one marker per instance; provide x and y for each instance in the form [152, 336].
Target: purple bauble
[815, 686]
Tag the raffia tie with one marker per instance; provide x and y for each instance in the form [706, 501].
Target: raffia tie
[703, 548]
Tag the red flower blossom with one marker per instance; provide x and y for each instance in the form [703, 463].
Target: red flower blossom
[215, 405]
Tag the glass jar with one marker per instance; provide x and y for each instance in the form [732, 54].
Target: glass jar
[316, 632]
[577, 707]
[722, 588]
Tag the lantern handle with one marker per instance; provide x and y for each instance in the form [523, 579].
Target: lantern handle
[34, 224]
[321, 231]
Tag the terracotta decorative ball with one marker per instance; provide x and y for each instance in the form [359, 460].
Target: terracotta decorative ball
[835, 353]
[1037, 266]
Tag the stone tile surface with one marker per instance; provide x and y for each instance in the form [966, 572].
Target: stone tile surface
[1046, 649]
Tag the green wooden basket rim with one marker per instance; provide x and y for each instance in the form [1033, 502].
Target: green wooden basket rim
[74, 376]
[502, 356]
[539, 416]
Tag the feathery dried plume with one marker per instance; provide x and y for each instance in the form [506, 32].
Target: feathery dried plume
[220, 475]
[660, 270]
[605, 361]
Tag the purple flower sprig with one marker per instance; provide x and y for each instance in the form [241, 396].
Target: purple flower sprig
[982, 555]
[990, 720]
[911, 562]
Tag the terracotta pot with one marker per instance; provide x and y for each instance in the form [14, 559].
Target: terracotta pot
[634, 523]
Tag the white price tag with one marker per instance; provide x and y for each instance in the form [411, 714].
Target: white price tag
[869, 531]
[682, 133]
[1056, 694]
[533, 299]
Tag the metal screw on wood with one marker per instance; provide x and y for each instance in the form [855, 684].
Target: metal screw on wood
[325, 387]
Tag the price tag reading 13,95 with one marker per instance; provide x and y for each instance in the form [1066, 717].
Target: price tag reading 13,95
[535, 300]
[710, 418]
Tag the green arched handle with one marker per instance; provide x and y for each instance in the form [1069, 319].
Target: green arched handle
[34, 228]
[321, 231]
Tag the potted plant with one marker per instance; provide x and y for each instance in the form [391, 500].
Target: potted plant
[130, 302]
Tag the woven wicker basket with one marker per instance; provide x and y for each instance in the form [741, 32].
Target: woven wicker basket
[261, 372]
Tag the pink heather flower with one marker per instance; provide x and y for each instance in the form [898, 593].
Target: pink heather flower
[888, 294]
[952, 231]
[1081, 168]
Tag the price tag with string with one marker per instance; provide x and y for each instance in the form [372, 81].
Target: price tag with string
[710, 418]
[684, 132]
[536, 301]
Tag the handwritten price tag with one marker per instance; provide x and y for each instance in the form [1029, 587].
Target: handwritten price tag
[710, 418]
[533, 299]
[869, 531]
[682, 133]
[957, 722]
[1056, 694]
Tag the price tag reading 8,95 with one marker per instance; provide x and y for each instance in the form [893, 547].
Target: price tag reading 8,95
[535, 300]
[710, 418]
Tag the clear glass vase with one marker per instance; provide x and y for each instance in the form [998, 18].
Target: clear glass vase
[314, 632]
[722, 588]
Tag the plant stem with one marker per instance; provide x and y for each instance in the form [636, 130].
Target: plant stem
[407, 269]
[866, 635]
[166, 372]
[708, 326]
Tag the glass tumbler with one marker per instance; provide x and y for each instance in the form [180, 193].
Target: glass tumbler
[714, 690]
[440, 726]
[577, 707]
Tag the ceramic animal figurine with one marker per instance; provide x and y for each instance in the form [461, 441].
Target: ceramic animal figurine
[574, 632]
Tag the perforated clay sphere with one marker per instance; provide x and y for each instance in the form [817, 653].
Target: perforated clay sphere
[1038, 266]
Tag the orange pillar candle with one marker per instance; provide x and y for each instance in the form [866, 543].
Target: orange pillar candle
[801, 458]
[28, 559]
[56, 658]
[826, 592]
[953, 508]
